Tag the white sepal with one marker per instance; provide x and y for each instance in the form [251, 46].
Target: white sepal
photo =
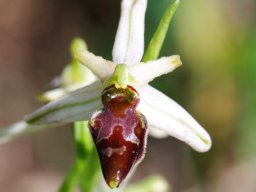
[165, 114]
[129, 42]
[75, 106]
[157, 133]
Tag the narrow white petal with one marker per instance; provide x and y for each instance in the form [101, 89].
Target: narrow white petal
[101, 67]
[146, 72]
[167, 115]
[129, 41]
[19, 129]
[75, 106]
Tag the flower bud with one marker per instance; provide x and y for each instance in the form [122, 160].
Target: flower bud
[119, 132]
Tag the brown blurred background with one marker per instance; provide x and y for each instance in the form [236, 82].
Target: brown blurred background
[217, 43]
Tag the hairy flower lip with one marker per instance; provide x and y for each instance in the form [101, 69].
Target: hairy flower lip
[119, 132]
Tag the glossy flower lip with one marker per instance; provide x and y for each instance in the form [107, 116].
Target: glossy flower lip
[119, 132]
[163, 114]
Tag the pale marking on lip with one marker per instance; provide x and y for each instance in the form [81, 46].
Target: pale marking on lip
[110, 151]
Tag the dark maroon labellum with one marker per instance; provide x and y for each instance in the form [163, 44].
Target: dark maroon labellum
[119, 133]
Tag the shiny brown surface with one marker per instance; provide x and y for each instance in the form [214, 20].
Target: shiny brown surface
[119, 132]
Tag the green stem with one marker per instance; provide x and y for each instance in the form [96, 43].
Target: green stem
[90, 174]
[71, 180]
[157, 40]
[87, 156]
[85, 160]
[83, 140]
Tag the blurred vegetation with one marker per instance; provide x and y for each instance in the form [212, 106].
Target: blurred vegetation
[217, 84]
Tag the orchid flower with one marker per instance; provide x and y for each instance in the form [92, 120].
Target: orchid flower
[127, 75]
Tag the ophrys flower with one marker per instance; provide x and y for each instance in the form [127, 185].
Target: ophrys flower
[126, 73]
